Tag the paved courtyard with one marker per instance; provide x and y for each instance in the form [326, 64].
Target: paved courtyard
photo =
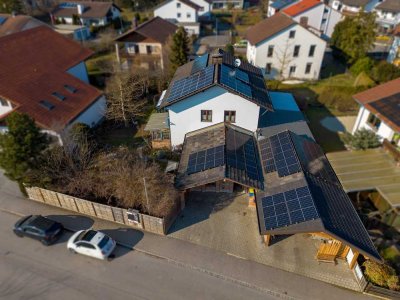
[225, 222]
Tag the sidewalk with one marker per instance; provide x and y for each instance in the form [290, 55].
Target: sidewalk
[214, 263]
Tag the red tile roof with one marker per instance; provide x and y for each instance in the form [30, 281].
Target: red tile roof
[34, 65]
[13, 24]
[300, 7]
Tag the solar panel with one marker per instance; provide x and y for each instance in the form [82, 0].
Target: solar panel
[206, 159]
[266, 156]
[2, 19]
[199, 63]
[389, 107]
[288, 208]
[242, 76]
[188, 85]
[228, 78]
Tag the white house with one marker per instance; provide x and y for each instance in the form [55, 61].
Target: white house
[211, 90]
[205, 7]
[387, 15]
[283, 48]
[352, 7]
[394, 51]
[226, 4]
[314, 14]
[182, 12]
[90, 13]
[275, 6]
[380, 110]
[56, 92]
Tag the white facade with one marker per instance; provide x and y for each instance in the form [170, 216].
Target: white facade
[394, 52]
[79, 71]
[363, 117]
[185, 116]
[205, 7]
[93, 114]
[225, 4]
[177, 10]
[387, 20]
[340, 6]
[283, 62]
[5, 106]
[329, 21]
[314, 16]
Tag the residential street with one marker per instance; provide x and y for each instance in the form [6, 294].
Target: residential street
[158, 268]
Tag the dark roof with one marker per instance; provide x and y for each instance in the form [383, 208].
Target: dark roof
[210, 70]
[237, 143]
[322, 206]
[268, 27]
[187, 2]
[156, 29]
[383, 101]
[389, 5]
[92, 9]
[279, 4]
[356, 3]
[13, 24]
[29, 77]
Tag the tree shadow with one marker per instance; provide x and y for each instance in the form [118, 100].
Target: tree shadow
[199, 207]
[73, 222]
[126, 237]
[278, 238]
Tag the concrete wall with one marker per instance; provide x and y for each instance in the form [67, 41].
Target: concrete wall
[257, 54]
[384, 131]
[185, 116]
[170, 10]
[80, 72]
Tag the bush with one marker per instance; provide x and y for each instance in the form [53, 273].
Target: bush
[364, 64]
[384, 72]
[339, 99]
[362, 139]
[381, 275]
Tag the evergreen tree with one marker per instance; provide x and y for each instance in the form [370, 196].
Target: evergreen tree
[179, 49]
[354, 36]
[21, 146]
[9, 6]
[362, 139]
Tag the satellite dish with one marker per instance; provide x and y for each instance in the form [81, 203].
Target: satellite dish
[238, 62]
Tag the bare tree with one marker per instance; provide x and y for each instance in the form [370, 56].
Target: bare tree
[284, 56]
[125, 93]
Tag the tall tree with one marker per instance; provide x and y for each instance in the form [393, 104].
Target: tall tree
[21, 146]
[179, 49]
[125, 93]
[354, 36]
[9, 6]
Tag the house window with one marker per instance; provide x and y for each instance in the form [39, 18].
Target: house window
[270, 51]
[230, 116]
[178, 15]
[206, 116]
[374, 122]
[178, 5]
[311, 51]
[292, 71]
[296, 51]
[3, 102]
[308, 68]
[188, 15]
[292, 34]
[268, 68]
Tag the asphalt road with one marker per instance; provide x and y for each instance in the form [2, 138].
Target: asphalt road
[29, 270]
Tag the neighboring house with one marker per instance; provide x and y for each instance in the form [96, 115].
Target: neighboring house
[76, 32]
[278, 5]
[394, 51]
[226, 4]
[211, 90]
[315, 15]
[147, 42]
[184, 13]
[90, 13]
[380, 110]
[10, 24]
[387, 15]
[205, 7]
[352, 7]
[50, 84]
[283, 49]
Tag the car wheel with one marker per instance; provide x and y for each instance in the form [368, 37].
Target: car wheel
[18, 234]
[46, 243]
[72, 250]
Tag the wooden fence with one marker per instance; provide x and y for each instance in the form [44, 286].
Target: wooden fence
[115, 214]
[381, 292]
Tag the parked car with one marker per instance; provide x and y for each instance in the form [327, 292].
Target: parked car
[40, 228]
[241, 44]
[91, 243]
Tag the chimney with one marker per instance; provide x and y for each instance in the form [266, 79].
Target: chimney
[304, 22]
[80, 8]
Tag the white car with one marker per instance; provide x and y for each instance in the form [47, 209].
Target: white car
[91, 243]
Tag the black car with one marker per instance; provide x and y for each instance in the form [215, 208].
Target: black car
[40, 228]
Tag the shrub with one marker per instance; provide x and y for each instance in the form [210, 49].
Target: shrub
[381, 275]
[339, 99]
[362, 139]
[364, 64]
[384, 72]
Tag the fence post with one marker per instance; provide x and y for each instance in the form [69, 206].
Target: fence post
[58, 200]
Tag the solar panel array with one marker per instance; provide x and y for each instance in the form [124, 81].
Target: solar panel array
[68, 5]
[288, 208]
[389, 107]
[206, 159]
[188, 85]
[241, 154]
[266, 156]
[199, 63]
[230, 78]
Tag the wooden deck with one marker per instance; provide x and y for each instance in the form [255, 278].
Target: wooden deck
[368, 170]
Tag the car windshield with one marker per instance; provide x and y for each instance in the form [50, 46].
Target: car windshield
[103, 242]
[86, 236]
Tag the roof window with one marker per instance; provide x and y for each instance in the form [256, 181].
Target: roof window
[59, 96]
[46, 104]
[70, 88]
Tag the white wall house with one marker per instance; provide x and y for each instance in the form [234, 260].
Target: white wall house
[394, 51]
[188, 115]
[354, 6]
[387, 15]
[287, 51]
[183, 12]
[205, 7]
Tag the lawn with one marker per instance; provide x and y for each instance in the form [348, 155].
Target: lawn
[94, 65]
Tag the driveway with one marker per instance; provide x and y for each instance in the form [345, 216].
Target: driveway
[225, 222]
[339, 124]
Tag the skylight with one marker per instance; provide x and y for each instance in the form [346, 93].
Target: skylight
[59, 96]
[46, 104]
[70, 88]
